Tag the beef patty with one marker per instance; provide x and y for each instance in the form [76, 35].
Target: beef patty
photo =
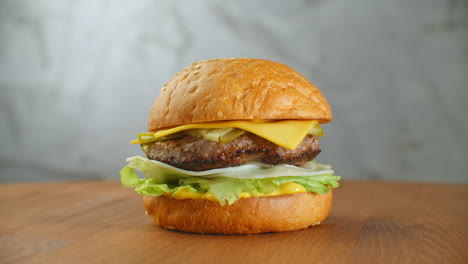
[197, 154]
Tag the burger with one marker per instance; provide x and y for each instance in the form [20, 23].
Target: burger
[230, 149]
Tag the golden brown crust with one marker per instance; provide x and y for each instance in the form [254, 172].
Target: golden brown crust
[246, 216]
[237, 89]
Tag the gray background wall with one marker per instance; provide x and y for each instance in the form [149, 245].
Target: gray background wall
[77, 78]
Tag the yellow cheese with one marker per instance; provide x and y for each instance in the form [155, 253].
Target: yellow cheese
[283, 189]
[288, 188]
[186, 194]
[245, 195]
[285, 133]
[209, 196]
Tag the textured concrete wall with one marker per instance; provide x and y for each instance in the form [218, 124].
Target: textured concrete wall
[77, 78]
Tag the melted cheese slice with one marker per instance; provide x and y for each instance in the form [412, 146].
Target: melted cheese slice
[283, 189]
[285, 133]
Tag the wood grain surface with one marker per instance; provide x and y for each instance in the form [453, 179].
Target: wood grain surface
[102, 222]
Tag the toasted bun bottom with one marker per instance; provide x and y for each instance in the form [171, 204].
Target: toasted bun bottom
[246, 216]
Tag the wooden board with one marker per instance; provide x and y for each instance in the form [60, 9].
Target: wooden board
[101, 222]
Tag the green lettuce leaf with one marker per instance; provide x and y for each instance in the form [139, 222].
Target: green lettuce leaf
[229, 189]
[225, 189]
